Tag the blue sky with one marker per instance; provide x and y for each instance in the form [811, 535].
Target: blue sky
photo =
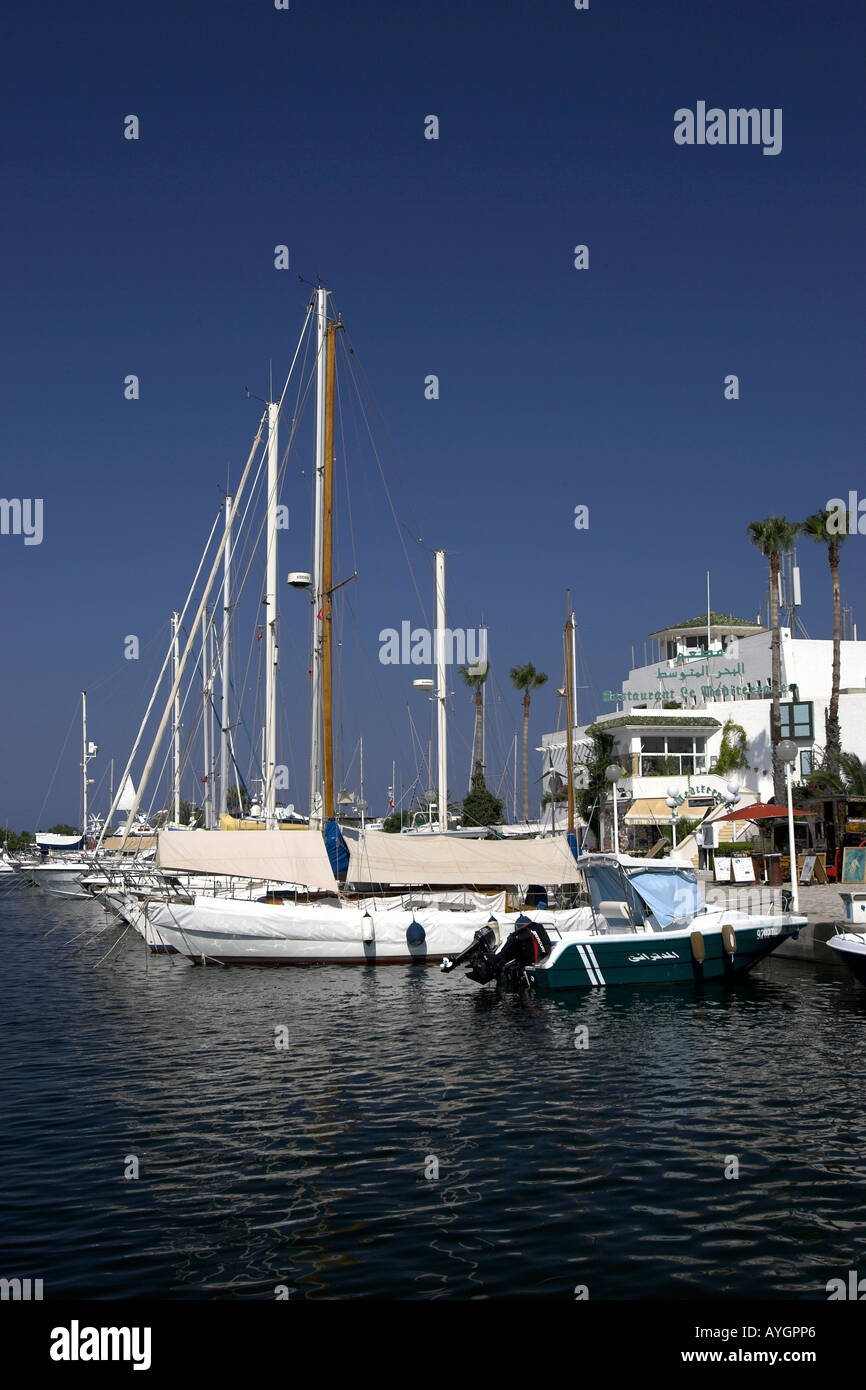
[455, 257]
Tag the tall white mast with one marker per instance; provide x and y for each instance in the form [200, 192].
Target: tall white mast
[163, 723]
[84, 761]
[271, 655]
[205, 720]
[175, 721]
[361, 802]
[224, 689]
[441, 691]
[318, 556]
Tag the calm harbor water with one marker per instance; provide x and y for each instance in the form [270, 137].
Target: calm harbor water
[304, 1166]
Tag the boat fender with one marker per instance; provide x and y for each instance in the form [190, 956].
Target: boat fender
[699, 946]
[729, 939]
[415, 934]
[368, 932]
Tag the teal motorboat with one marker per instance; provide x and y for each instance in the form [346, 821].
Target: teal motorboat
[640, 922]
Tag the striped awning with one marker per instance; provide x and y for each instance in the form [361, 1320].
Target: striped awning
[654, 810]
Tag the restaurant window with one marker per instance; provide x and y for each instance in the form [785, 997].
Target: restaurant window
[797, 720]
[672, 756]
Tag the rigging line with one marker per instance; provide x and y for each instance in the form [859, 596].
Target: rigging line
[183, 752]
[285, 729]
[279, 404]
[119, 670]
[301, 378]
[165, 663]
[240, 692]
[346, 474]
[373, 669]
[255, 541]
[385, 433]
[397, 524]
[57, 765]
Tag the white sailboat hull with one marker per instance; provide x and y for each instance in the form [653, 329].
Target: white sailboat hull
[239, 933]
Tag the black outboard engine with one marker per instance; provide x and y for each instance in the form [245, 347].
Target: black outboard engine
[528, 944]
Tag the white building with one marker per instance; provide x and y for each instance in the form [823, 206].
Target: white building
[668, 719]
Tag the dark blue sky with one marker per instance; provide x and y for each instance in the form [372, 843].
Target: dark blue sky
[451, 257]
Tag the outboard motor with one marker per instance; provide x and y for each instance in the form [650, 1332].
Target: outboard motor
[528, 944]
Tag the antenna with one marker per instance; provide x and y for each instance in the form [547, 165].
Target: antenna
[790, 597]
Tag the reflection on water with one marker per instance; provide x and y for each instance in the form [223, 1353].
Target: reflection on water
[304, 1166]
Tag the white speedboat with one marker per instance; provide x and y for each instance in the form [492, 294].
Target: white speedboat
[850, 946]
[61, 878]
[649, 925]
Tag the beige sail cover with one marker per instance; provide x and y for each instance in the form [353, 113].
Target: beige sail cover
[377, 857]
[297, 858]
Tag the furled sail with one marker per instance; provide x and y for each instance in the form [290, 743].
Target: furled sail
[402, 860]
[284, 856]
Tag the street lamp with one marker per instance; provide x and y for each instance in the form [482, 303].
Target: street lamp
[613, 775]
[671, 800]
[786, 752]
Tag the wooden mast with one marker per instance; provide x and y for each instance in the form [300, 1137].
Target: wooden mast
[569, 715]
[327, 576]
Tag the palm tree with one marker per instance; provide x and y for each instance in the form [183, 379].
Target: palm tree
[772, 537]
[526, 678]
[846, 776]
[815, 526]
[475, 679]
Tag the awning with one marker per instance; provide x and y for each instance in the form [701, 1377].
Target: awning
[297, 858]
[134, 843]
[654, 810]
[761, 811]
[405, 860]
[649, 810]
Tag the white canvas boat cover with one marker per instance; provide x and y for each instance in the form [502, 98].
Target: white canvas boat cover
[299, 857]
[377, 857]
[134, 844]
[50, 840]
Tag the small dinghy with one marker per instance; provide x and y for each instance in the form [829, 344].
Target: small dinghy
[850, 946]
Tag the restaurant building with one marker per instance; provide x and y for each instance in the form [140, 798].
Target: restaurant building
[711, 682]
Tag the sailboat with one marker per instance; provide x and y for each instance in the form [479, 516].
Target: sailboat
[65, 860]
[367, 898]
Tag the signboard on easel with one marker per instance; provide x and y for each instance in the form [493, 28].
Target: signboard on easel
[722, 867]
[744, 870]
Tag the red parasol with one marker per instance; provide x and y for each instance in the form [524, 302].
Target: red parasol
[761, 811]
